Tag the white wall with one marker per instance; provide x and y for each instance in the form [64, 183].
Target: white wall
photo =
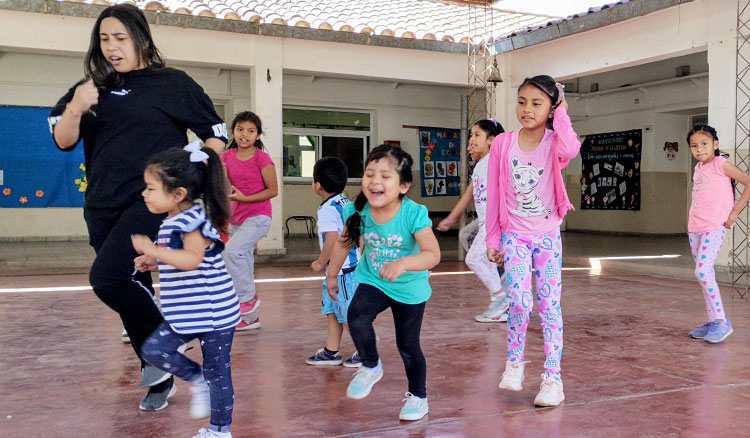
[25, 79]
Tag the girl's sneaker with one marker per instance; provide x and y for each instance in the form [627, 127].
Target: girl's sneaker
[322, 357]
[700, 332]
[414, 409]
[512, 376]
[363, 380]
[250, 306]
[496, 312]
[719, 331]
[353, 362]
[200, 403]
[206, 433]
[244, 325]
[550, 392]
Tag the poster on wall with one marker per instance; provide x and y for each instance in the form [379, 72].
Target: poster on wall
[610, 171]
[34, 173]
[439, 156]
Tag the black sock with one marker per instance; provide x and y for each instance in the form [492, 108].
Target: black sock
[332, 353]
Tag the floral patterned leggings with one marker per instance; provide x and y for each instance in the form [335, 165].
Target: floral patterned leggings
[545, 251]
[705, 247]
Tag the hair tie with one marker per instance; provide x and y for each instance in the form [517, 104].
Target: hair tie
[196, 154]
[493, 120]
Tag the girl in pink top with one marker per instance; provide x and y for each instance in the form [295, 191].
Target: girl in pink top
[712, 211]
[253, 178]
[526, 201]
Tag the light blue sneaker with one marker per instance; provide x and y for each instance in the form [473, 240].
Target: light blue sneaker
[363, 380]
[700, 332]
[719, 331]
[414, 409]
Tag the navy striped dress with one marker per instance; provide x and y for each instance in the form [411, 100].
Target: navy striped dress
[203, 299]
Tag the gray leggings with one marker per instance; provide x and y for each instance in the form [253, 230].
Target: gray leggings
[238, 254]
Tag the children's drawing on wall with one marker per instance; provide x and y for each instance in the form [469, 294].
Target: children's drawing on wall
[670, 150]
[429, 170]
[452, 168]
[440, 168]
[440, 188]
[429, 186]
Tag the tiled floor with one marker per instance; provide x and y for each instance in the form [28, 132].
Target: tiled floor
[629, 368]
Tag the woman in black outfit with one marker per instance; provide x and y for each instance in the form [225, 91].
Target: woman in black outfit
[129, 107]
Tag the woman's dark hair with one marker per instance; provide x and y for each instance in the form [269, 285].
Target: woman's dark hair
[490, 126]
[548, 86]
[201, 180]
[402, 161]
[96, 65]
[706, 130]
[247, 116]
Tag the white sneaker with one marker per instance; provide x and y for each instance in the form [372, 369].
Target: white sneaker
[414, 409]
[512, 376]
[200, 403]
[550, 392]
[497, 310]
[205, 433]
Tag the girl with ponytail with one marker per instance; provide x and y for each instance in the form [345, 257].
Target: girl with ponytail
[191, 270]
[398, 249]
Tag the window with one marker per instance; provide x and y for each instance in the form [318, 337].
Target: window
[311, 134]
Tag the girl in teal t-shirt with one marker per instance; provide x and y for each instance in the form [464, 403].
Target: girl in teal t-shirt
[398, 247]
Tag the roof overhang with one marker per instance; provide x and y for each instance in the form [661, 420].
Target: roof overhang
[594, 19]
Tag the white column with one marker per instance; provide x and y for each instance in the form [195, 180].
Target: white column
[266, 100]
[722, 51]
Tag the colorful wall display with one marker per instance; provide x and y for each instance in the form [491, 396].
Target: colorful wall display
[33, 171]
[440, 154]
[610, 174]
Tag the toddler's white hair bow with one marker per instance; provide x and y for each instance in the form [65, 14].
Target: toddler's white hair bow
[196, 154]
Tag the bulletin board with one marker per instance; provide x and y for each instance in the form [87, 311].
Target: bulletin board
[440, 156]
[610, 174]
[34, 172]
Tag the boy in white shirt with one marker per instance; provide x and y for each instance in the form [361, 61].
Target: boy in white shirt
[329, 180]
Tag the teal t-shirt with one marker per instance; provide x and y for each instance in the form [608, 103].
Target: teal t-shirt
[392, 240]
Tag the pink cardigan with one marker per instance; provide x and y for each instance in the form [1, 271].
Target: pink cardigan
[563, 142]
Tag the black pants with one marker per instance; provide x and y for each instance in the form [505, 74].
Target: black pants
[113, 275]
[367, 303]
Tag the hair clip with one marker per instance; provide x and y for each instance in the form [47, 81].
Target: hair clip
[196, 154]
[493, 120]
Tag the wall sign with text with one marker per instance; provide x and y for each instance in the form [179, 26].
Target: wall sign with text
[610, 173]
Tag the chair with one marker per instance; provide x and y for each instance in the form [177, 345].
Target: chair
[309, 224]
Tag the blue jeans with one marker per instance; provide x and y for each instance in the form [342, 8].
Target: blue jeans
[160, 350]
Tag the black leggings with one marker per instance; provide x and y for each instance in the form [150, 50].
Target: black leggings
[367, 303]
[113, 275]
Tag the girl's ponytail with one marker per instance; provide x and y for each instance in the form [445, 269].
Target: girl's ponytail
[354, 222]
[215, 198]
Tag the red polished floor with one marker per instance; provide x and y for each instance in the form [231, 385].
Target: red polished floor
[629, 368]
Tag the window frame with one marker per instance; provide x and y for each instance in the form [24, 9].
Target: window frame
[320, 133]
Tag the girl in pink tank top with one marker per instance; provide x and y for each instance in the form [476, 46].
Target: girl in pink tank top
[712, 211]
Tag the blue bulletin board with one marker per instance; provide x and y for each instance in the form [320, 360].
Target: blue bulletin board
[34, 173]
[439, 157]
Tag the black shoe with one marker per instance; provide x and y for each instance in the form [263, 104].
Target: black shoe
[157, 395]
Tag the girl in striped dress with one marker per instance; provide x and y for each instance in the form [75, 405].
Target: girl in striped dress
[197, 296]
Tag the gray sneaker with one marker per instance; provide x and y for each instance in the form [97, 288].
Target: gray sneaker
[150, 376]
[156, 396]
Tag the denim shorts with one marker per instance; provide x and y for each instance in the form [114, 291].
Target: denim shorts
[347, 286]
